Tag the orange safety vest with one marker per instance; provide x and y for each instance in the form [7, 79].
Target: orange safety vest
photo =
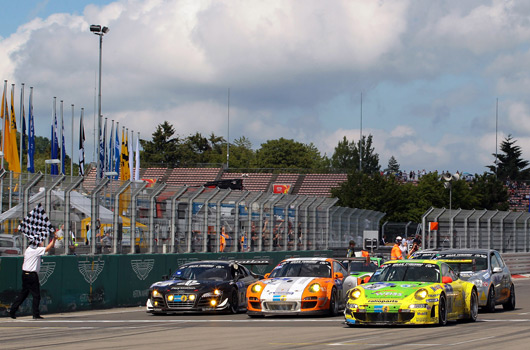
[396, 253]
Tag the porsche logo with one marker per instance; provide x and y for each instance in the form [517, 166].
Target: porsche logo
[283, 298]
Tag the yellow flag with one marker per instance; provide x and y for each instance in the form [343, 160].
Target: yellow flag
[125, 173]
[10, 137]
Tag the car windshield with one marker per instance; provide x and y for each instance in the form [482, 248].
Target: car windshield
[302, 269]
[480, 264]
[209, 272]
[361, 266]
[407, 272]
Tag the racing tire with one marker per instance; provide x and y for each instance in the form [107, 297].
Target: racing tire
[490, 304]
[473, 307]
[233, 306]
[442, 311]
[509, 305]
[333, 305]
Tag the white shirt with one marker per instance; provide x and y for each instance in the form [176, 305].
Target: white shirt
[59, 243]
[32, 259]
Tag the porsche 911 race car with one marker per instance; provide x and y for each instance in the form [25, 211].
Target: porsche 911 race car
[489, 273]
[299, 286]
[202, 286]
[412, 292]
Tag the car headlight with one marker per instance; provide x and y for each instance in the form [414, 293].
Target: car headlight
[315, 287]
[256, 288]
[217, 292]
[170, 297]
[155, 293]
[421, 294]
[355, 293]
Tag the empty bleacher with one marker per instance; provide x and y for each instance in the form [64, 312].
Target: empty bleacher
[321, 184]
[192, 176]
[251, 181]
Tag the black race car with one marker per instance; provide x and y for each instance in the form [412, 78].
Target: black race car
[202, 286]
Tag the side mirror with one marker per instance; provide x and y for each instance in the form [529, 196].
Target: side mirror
[339, 275]
[267, 275]
[497, 269]
[165, 277]
[447, 279]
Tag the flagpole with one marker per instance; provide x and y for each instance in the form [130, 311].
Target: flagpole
[22, 122]
[4, 103]
[31, 135]
[61, 156]
[137, 159]
[72, 149]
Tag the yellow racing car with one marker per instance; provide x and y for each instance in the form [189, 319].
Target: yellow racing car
[412, 292]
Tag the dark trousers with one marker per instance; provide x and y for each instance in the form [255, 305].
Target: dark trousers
[30, 284]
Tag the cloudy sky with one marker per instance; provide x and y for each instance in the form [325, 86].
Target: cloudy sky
[429, 72]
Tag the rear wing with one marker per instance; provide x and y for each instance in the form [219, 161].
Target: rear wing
[251, 263]
[457, 263]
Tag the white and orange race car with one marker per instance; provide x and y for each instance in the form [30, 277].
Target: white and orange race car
[299, 286]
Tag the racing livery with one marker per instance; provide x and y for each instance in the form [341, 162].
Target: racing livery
[202, 286]
[489, 273]
[299, 286]
[412, 292]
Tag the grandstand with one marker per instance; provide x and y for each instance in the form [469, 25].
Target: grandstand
[318, 185]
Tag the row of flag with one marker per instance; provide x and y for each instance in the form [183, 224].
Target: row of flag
[113, 160]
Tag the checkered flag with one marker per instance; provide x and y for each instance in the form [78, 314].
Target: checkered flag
[36, 226]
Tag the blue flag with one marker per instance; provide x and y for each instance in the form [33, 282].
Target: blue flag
[31, 136]
[102, 152]
[63, 148]
[55, 146]
[117, 154]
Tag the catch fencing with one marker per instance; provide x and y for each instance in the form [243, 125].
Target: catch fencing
[121, 217]
[504, 231]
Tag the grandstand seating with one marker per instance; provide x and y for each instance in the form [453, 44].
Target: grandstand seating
[251, 181]
[321, 184]
[192, 176]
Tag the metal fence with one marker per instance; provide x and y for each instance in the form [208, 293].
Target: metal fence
[505, 231]
[112, 216]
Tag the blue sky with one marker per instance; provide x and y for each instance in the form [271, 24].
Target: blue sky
[429, 72]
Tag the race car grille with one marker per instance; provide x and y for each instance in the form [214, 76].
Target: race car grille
[255, 304]
[309, 304]
[280, 306]
[179, 303]
[390, 317]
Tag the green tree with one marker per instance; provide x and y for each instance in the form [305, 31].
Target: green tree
[490, 193]
[163, 150]
[346, 156]
[393, 166]
[510, 165]
[241, 154]
[284, 153]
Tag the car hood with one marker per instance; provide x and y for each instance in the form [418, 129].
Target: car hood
[289, 288]
[395, 290]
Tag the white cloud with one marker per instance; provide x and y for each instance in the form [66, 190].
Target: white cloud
[283, 60]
